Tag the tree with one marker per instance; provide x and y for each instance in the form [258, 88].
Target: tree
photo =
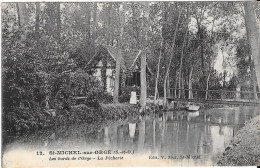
[199, 14]
[143, 81]
[156, 93]
[252, 30]
[210, 58]
[172, 52]
[119, 58]
[182, 53]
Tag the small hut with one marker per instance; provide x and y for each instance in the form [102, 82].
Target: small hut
[104, 64]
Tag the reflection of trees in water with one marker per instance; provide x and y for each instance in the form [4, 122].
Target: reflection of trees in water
[141, 136]
[165, 133]
[121, 139]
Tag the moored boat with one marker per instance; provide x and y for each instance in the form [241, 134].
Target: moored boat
[192, 107]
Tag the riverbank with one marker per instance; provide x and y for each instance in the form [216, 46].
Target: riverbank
[35, 121]
[244, 150]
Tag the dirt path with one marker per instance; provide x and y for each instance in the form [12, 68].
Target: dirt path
[244, 150]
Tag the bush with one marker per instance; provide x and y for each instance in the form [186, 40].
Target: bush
[27, 120]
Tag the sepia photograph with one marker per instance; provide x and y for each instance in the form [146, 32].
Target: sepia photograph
[153, 83]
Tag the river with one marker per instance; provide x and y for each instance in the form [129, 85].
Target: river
[185, 138]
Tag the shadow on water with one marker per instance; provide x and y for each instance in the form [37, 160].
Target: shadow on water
[203, 134]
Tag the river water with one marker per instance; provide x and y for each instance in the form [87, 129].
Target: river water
[195, 138]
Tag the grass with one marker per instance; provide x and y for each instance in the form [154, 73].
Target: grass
[244, 150]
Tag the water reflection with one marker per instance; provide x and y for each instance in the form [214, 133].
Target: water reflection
[204, 133]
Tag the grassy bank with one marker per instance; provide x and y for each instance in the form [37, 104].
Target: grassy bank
[244, 150]
[23, 122]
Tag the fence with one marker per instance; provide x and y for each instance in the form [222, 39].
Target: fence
[212, 94]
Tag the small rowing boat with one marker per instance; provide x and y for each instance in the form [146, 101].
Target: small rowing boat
[192, 107]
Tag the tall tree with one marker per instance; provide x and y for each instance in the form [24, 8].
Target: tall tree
[158, 72]
[171, 56]
[156, 93]
[252, 30]
[199, 14]
[143, 61]
[182, 53]
[210, 58]
[119, 57]
[143, 81]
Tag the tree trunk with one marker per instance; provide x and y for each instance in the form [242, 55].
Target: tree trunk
[88, 18]
[182, 53]
[175, 85]
[118, 63]
[143, 81]
[200, 36]
[253, 77]
[117, 77]
[37, 36]
[169, 65]
[156, 95]
[210, 66]
[251, 28]
[207, 84]
[190, 83]
[58, 21]
[23, 18]
[51, 23]
[104, 73]
[18, 14]
[182, 86]
[104, 67]
[108, 23]
[94, 21]
[37, 21]
[144, 65]
[158, 73]
[168, 86]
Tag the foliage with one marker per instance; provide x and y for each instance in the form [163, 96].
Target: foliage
[24, 120]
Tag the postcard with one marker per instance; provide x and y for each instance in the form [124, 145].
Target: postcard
[154, 83]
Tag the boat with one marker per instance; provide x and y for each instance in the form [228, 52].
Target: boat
[192, 107]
